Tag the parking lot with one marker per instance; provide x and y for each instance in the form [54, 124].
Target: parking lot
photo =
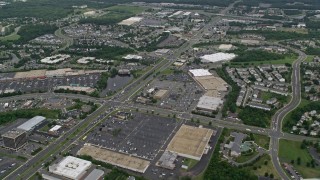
[7, 165]
[34, 85]
[182, 96]
[142, 135]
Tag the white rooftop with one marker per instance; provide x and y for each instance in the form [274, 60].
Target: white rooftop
[71, 167]
[209, 103]
[55, 128]
[200, 72]
[132, 56]
[31, 123]
[130, 21]
[210, 58]
[217, 57]
[55, 59]
[85, 60]
[225, 46]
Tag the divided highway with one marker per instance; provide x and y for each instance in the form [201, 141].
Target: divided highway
[276, 131]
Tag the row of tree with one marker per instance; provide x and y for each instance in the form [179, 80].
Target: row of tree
[231, 98]
[257, 55]
[6, 117]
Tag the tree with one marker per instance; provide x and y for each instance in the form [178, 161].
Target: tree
[299, 161]
[271, 176]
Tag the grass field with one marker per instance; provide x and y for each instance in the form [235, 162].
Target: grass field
[245, 158]
[290, 150]
[11, 37]
[296, 30]
[128, 9]
[268, 95]
[115, 14]
[262, 168]
[190, 162]
[167, 71]
[262, 140]
[309, 58]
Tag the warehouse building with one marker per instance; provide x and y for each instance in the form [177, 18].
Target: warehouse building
[191, 142]
[55, 59]
[208, 103]
[217, 57]
[14, 139]
[32, 123]
[199, 72]
[71, 167]
[55, 129]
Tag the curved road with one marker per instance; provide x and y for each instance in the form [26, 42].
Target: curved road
[276, 131]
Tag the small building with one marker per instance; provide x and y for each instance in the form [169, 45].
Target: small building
[259, 106]
[235, 146]
[55, 129]
[167, 160]
[32, 123]
[272, 101]
[124, 72]
[160, 94]
[14, 139]
[71, 167]
[208, 103]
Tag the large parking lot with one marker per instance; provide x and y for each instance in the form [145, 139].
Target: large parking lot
[142, 135]
[182, 96]
[47, 84]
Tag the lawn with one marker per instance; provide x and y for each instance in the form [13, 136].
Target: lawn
[78, 104]
[127, 9]
[245, 158]
[45, 128]
[190, 162]
[309, 58]
[262, 140]
[11, 37]
[268, 95]
[290, 150]
[167, 71]
[296, 30]
[262, 166]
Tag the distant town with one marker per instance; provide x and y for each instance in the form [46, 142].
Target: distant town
[186, 90]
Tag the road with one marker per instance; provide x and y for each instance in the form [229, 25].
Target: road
[130, 91]
[280, 114]
[122, 99]
[32, 165]
[67, 40]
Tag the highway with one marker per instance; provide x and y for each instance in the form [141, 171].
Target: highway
[280, 114]
[122, 100]
[32, 165]
[275, 132]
